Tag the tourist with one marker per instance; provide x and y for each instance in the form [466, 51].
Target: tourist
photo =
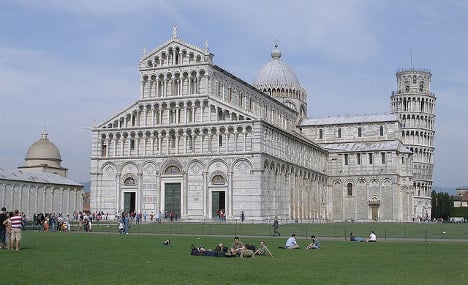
[220, 250]
[291, 243]
[315, 244]
[7, 224]
[3, 217]
[372, 237]
[352, 237]
[263, 249]
[275, 227]
[237, 246]
[16, 225]
[46, 223]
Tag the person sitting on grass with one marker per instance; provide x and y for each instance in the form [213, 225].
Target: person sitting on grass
[263, 249]
[372, 237]
[291, 243]
[315, 244]
[237, 246]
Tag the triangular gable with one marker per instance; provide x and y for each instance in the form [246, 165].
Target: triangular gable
[116, 117]
[176, 47]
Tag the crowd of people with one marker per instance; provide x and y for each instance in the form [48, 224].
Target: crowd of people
[237, 248]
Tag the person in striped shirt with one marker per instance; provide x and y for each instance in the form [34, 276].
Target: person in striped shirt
[16, 225]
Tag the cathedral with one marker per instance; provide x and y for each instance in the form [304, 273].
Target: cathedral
[199, 141]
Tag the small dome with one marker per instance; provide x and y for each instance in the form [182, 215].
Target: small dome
[43, 149]
[276, 74]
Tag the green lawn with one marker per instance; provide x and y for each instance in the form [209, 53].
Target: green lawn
[334, 230]
[141, 257]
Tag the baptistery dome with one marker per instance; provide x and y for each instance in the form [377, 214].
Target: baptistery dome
[43, 149]
[44, 156]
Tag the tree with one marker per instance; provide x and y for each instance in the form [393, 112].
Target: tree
[442, 206]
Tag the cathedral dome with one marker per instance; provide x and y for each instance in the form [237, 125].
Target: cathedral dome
[276, 74]
[43, 150]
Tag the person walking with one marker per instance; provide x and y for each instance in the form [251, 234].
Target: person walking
[275, 227]
[16, 225]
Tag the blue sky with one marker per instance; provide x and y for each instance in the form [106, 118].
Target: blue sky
[67, 64]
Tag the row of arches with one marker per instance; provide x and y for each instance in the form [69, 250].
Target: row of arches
[191, 82]
[413, 104]
[294, 192]
[31, 199]
[286, 92]
[196, 181]
[423, 189]
[415, 137]
[174, 113]
[282, 146]
[250, 100]
[417, 121]
[169, 84]
[222, 138]
[173, 55]
[423, 171]
[217, 178]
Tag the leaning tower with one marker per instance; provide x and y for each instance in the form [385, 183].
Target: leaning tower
[415, 105]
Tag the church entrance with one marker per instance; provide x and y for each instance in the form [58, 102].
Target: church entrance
[375, 212]
[218, 203]
[129, 202]
[172, 198]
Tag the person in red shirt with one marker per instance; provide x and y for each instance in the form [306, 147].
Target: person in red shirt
[16, 225]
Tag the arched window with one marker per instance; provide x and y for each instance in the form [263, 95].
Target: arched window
[381, 131]
[129, 181]
[172, 170]
[218, 180]
[339, 133]
[359, 132]
[350, 189]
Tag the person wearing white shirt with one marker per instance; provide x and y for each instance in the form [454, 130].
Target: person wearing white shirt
[291, 243]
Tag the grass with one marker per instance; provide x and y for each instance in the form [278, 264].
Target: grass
[423, 231]
[141, 258]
